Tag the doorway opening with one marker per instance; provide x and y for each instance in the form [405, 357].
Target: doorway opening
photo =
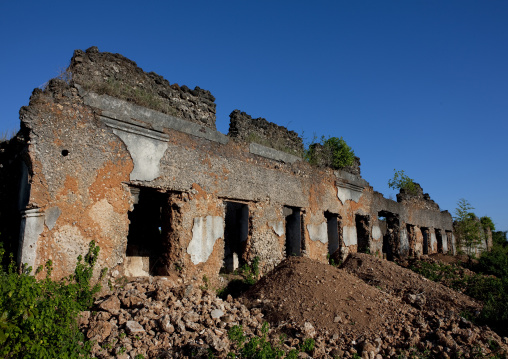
[334, 229]
[391, 240]
[363, 233]
[147, 228]
[294, 225]
[236, 232]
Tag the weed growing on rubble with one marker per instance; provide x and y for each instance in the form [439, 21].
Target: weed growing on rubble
[259, 347]
[38, 318]
[236, 287]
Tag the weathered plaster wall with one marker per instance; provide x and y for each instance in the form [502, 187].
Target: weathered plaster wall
[89, 155]
[77, 171]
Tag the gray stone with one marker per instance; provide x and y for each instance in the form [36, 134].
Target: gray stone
[133, 327]
[216, 313]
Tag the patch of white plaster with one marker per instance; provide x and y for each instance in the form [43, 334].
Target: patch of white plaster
[318, 232]
[433, 243]
[376, 232]
[205, 232]
[52, 215]
[146, 154]
[349, 236]
[278, 227]
[345, 194]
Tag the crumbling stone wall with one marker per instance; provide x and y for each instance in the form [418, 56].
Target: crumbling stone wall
[323, 157]
[92, 155]
[417, 198]
[245, 128]
[115, 75]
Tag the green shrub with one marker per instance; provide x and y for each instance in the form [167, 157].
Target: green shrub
[38, 318]
[401, 181]
[334, 152]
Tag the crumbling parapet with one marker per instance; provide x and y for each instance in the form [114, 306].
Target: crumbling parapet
[258, 130]
[115, 75]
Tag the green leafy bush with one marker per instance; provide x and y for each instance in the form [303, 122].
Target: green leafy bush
[332, 151]
[401, 181]
[38, 318]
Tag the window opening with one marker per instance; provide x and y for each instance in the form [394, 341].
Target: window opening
[334, 233]
[363, 233]
[294, 226]
[391, 240]
[236, 233]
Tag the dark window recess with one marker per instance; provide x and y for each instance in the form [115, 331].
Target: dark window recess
[294, 226]
[426, 239]
[363, 233]
[333, 228]
[236, 233]
[391, 236]
[148, 228]
[439, 239]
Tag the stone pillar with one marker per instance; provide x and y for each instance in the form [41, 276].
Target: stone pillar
[32, 225]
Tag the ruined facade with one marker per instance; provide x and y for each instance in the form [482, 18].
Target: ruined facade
[122, 157]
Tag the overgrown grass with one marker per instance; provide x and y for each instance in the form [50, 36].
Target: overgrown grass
[38, 318]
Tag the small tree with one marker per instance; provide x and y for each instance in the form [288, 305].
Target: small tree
[401, 181]
[342, 154]
[467, 226]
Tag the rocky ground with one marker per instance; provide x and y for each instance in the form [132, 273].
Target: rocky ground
[369, 308]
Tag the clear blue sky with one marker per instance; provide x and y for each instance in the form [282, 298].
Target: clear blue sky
[415, 85]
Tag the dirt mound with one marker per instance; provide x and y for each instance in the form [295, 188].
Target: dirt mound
[390, 312]
[302, 290]
[406, 284]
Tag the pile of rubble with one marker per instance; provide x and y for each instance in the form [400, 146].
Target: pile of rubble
[346, 317]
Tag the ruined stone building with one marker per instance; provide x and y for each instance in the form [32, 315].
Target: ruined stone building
[124, 158]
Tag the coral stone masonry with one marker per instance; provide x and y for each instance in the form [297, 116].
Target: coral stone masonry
[126, 159]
